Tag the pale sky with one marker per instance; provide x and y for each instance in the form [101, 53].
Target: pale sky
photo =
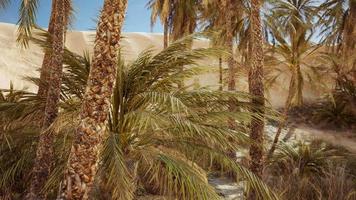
[137, 18]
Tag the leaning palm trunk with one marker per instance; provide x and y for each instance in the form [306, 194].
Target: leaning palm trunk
[46, 63]
[83, 159]
[255, 80]
[291, 93]
[45, 153]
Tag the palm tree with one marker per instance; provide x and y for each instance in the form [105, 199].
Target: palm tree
[160, 138]
[229, 19]
[221, 15]
[339, 31]
[27, 23]
[292, 19]
[256, 89]
[233, 13]
[83, 160]
[52, 68]
[161, 9]
[178, 17]
[46, 63]
[214, 21]
[44, 154]
[282, 60]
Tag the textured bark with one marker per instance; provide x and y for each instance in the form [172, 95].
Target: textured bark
[229, 41]
[298, 99]
[46, 63]
[229, 46]
[255, 80]
[83, 159]
[45, 153]
[165, 34]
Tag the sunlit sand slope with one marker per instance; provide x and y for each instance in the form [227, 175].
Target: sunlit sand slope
[16, 63]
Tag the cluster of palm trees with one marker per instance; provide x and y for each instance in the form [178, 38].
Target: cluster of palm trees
[114, 126]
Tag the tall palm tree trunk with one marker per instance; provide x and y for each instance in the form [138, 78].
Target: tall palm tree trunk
[45, 154]
[231, 85]
[165, 34]
[83, 158]
[255, 80]
[46, 63]
[229, 46]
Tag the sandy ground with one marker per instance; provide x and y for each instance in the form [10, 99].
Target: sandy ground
[335, 138]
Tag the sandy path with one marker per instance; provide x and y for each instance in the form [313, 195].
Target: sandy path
[333, 137]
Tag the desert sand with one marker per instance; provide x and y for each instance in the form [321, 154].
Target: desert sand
[16, 62]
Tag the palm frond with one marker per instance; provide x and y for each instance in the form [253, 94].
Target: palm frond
[27, 21]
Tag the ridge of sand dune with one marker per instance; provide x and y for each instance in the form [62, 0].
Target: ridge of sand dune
[16, 63]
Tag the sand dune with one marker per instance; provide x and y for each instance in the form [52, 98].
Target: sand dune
[16, 63]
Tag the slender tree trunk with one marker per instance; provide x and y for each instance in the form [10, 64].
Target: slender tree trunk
[46, 63]
[231, 85]
[255, 80]
[165, 34]
[83, 159]
[299, 101]
[229, 46]
[287, 106]
[45, 152]
[220, 75]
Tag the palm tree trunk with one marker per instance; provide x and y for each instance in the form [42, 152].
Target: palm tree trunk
[165, 34]
[45, 152]
[299, 86]
[256, 88]
[231, 86]
[220, 75]
[83, 158]
[46, 65]
[291, 92]
[230, 48]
